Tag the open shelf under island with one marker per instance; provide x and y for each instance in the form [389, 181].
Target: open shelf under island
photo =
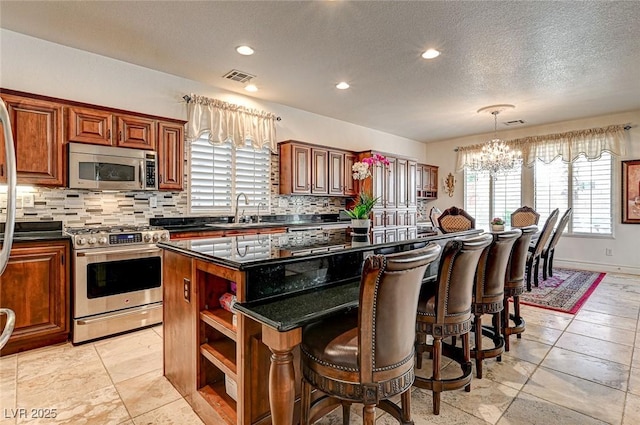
[241, 366]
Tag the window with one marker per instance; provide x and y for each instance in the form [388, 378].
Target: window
[486, 197]
[219, 173]
[583, 185]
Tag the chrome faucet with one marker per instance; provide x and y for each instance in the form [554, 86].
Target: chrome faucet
[246, 202]
[258, 216]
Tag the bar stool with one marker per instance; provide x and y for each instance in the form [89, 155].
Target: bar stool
[367, 355]
[535, 251]
[488, 295]
[444, 310]
[514, 284]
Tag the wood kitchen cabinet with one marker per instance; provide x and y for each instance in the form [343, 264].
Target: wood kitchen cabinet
[394, 216]
[307, 169]
[104, 127]
[37, 127]
[35, 285]
[427, 182]
[170, 156]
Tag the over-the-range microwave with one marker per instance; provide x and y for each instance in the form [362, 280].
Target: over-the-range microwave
[98, 167]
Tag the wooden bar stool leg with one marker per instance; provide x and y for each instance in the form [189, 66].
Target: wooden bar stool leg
[369, 414]
[466, 349]
[437, 356]
[478, 349]
[405, 400]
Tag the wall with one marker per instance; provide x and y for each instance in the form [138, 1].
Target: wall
[36, 66]
[581, 252]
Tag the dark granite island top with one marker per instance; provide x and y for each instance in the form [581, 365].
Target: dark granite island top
[295, 278]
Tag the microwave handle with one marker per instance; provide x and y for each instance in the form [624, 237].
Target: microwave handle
[141, 174]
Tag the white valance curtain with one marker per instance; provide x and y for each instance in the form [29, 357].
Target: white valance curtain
[568, 146]
[227, 122]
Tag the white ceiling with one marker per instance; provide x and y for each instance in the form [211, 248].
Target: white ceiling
[554, 60]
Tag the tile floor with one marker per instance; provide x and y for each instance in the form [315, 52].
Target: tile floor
[582, 369]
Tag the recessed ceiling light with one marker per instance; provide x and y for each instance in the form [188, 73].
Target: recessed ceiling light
[343, 85]
[430, 54]
[244, 50]
[251, 87]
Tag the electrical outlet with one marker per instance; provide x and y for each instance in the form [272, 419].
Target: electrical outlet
[608, 252]
[28, 200]
[187, 289]
[153, 201]
[282, 203]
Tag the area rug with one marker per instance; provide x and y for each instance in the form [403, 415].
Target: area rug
[566, 291]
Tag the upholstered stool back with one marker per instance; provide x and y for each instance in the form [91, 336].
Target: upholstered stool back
[524, 216]
[549, 251]
[488, 295]
[444, 310]
[535, 249]
[367, 356]
[455, 219]
[514, 284]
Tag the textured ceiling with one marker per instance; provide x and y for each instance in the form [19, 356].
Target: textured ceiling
[554, 60]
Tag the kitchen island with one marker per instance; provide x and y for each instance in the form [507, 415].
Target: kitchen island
[220, 360]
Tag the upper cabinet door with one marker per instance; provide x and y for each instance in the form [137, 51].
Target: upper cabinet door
[319, 170]
[390, 183]
[37, 132]
[336, 173]
[136, 132]
[412, 175]
[170, 156]
[350, 186]
[90, 126]
[301, 169]
[402, 198]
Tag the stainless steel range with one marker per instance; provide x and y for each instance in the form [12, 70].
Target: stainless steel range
[117, 279]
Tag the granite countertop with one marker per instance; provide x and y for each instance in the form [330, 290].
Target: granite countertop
[289, 313]
[199, 224]
[33, 231]
[245, 252]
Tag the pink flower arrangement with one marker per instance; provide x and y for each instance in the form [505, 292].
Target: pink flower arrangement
[362, 170]
[497, 221]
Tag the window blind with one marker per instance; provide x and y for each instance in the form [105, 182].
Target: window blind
[477, 199]
[486, 197]
[507, 194]
[220, 172]
[583, 185]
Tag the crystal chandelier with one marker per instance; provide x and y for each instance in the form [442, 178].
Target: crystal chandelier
[496, 157]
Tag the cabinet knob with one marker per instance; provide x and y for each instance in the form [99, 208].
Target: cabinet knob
[109, 134]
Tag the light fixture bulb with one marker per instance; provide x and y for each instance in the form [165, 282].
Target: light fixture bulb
[245, 50]
[251, 87]
[343, 85]
[430, 54]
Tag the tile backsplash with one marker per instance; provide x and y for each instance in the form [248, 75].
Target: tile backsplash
[77, 208]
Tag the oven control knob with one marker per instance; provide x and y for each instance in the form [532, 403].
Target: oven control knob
[147, 237]
[81, 241]
[164, 237]
[155, 237]
[102, 240]
[92, 241]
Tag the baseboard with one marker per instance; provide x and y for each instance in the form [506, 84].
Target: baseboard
[596, 267]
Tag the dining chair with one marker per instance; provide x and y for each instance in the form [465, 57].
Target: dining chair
[535, 250]
[488, 296]
[547, 253]
[524, 216]
[433, 217]
[455, 219]
[367, 355]
[444, 310]
[514, 285]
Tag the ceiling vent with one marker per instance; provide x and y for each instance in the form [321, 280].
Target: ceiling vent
[239, 76]
[514, 122]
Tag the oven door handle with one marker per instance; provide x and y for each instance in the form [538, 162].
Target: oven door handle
[139, 310]
[118, 251]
